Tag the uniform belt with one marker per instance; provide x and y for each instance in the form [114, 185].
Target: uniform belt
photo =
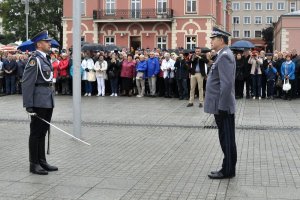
[43, 85]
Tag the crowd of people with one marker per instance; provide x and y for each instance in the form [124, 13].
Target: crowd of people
[159, 73]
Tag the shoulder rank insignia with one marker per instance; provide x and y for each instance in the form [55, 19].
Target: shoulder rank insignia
[32, 63]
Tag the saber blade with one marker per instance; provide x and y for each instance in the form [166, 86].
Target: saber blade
[63, 131]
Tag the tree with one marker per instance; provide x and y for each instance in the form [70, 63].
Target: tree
[268, 36]
[44, 15]
[7, 38]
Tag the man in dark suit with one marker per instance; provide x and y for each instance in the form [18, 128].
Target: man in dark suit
[38, 99]
[10, 68]
[220, 101]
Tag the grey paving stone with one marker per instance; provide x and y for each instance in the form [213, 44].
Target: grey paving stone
[13, 175]
[103, 194]
[65, 192]
[81, 181]
[22, 188]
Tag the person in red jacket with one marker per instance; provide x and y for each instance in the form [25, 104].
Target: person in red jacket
[64, 73]
[127, 75]
[55, 64]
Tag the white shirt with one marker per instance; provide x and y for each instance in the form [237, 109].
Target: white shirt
[43, 54]
[166, 65]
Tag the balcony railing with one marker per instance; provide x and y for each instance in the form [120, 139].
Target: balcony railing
[120, 14]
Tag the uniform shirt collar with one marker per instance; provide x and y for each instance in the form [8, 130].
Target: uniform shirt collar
[43, 54]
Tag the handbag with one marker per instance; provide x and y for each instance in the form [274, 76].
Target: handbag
[286, 85]
[279, 82]
[91, 76]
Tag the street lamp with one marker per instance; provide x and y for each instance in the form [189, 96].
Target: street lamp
[26, 2]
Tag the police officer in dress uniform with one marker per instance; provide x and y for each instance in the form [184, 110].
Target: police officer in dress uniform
[220, 101]
[38, 99]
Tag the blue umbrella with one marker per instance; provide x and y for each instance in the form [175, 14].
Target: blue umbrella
[30, 46]
[242, 44]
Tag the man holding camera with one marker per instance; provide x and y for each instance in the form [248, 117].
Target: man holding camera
[220, 101]
[197, 71]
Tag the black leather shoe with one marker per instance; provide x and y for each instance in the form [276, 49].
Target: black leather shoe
[48, 167]
[190, 105]
[219, 175]
[200, 105]
[37, 169]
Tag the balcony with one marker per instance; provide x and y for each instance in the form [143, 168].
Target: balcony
[123, 15]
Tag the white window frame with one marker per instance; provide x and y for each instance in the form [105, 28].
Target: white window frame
[247, 4]
[161, 43]
[260, 33]
[245, 20]
[269, 3]
[294, 7]
[162, 6]
[191, 2]
[237, 4]
[109, 42]
[281, 2]
[234, 33]
[83, 7]
[112, 7]
[245, 34]
[258, 17]
[238, 17]
[192, 44]
[267, 19]
[261, 5]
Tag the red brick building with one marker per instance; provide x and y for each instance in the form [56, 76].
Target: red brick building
[148, 23]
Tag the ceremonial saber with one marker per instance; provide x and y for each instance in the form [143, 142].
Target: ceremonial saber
[63, 131]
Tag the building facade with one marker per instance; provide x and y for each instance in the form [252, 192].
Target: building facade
[286, 32]
[165, 24]
[250, 17]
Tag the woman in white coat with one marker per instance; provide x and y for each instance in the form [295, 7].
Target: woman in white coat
[100, 68]
[88, 67]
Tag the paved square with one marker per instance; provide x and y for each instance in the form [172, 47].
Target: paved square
[153, 148]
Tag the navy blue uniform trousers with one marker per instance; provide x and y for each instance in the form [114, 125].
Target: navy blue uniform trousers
[226, 127]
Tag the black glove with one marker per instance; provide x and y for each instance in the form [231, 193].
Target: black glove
[223, 113]
[30, 110]
[87, 70]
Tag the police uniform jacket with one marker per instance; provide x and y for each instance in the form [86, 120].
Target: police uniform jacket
[220, 92]
[37, 79]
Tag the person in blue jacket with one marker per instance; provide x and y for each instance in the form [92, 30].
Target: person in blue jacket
[288, 73]
[141, 70]
[270, 73]
[153, 70]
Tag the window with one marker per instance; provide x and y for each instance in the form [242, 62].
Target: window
[135, 8]
[162, 42]
[258, 6]
[82, 7]
[236, 20]
[247, 6]
[109, 40]
[269, 20]
[292, 6]
[236, 34]
[191, 42]
[257, 34]
[247, 20]
[110, 7]
[247, 34]
[235, 6]
[161, 6]
[191, 6]
[269, 6]
[258, 20]
[280, 6]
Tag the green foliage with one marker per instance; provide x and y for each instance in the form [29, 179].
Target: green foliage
[7, 38]
[45, 15]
